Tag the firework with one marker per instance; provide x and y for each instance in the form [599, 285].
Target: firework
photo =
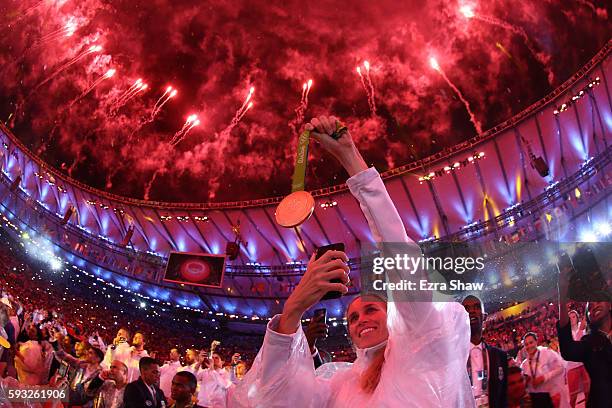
[300, 110]
[434, 64]
[168, 94]
[468, 12]
[137, 87]
[109, 74]
[29, 10]
[246, 105]
[19, 106]
[366, 82]
[308, 86]
[149, 184]
[191, 122]
[66, 31]
[65, 66]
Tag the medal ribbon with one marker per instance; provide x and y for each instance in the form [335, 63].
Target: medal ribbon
[301, 159]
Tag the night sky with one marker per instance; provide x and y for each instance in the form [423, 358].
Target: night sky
[502, 56]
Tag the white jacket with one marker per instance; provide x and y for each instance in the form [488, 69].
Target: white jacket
[425, 358]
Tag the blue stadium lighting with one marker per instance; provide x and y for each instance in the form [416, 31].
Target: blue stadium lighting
[551, 186]
[603, 229]
[55, 264]
[588, 236]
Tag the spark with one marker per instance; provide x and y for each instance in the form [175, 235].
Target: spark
[109, 74]
[137, 87]
[191, 122]
[167, 95]
[433, 62]
[467, 11]
[65, 66]
[246, 105]
[366, 82]
[300, 110]
[541, 57]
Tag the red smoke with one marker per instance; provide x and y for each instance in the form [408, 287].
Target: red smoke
[212, 51]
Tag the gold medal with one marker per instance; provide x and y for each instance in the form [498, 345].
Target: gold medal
[296, 208]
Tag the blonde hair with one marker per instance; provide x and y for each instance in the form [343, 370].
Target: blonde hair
[371, 376]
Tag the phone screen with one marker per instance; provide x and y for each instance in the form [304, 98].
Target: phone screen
[63, 369]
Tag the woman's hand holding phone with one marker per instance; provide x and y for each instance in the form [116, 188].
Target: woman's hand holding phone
[315, 284]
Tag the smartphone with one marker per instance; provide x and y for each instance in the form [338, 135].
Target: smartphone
[63, 369]
[321, 315]
[320, 251]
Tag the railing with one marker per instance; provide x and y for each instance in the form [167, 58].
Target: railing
[411, 167]
[518, 214]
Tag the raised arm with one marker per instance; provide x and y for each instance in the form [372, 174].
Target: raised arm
[571, 350]
[439, 330]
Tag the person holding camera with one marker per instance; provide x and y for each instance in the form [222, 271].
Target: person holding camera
[120, 350]
[409, 354]
[315, 330]
[137, 351]
[213, 379]
[594, 349]
[107, 388]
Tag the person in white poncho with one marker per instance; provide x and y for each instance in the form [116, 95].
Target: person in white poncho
[409, 354]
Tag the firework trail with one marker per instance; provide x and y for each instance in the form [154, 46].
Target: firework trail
[137, 87]
[65, 66]
[468, 12]
[109, 177]
[108, 74]
[191, 122]
[28, 11]
[248, 104]
[308, 86]
[366, 82]
[296, 123]
[67, 30]
[76, 162]
[434, 64]
[149, 184]
[372, 101]
[168, 94]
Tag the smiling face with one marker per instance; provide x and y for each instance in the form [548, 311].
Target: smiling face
[367, 322]
[531, 345]
[573, 316]
[598, 312]
[138, 340]
[473, 306]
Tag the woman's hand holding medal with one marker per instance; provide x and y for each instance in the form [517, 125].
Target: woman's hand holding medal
[334, 137]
